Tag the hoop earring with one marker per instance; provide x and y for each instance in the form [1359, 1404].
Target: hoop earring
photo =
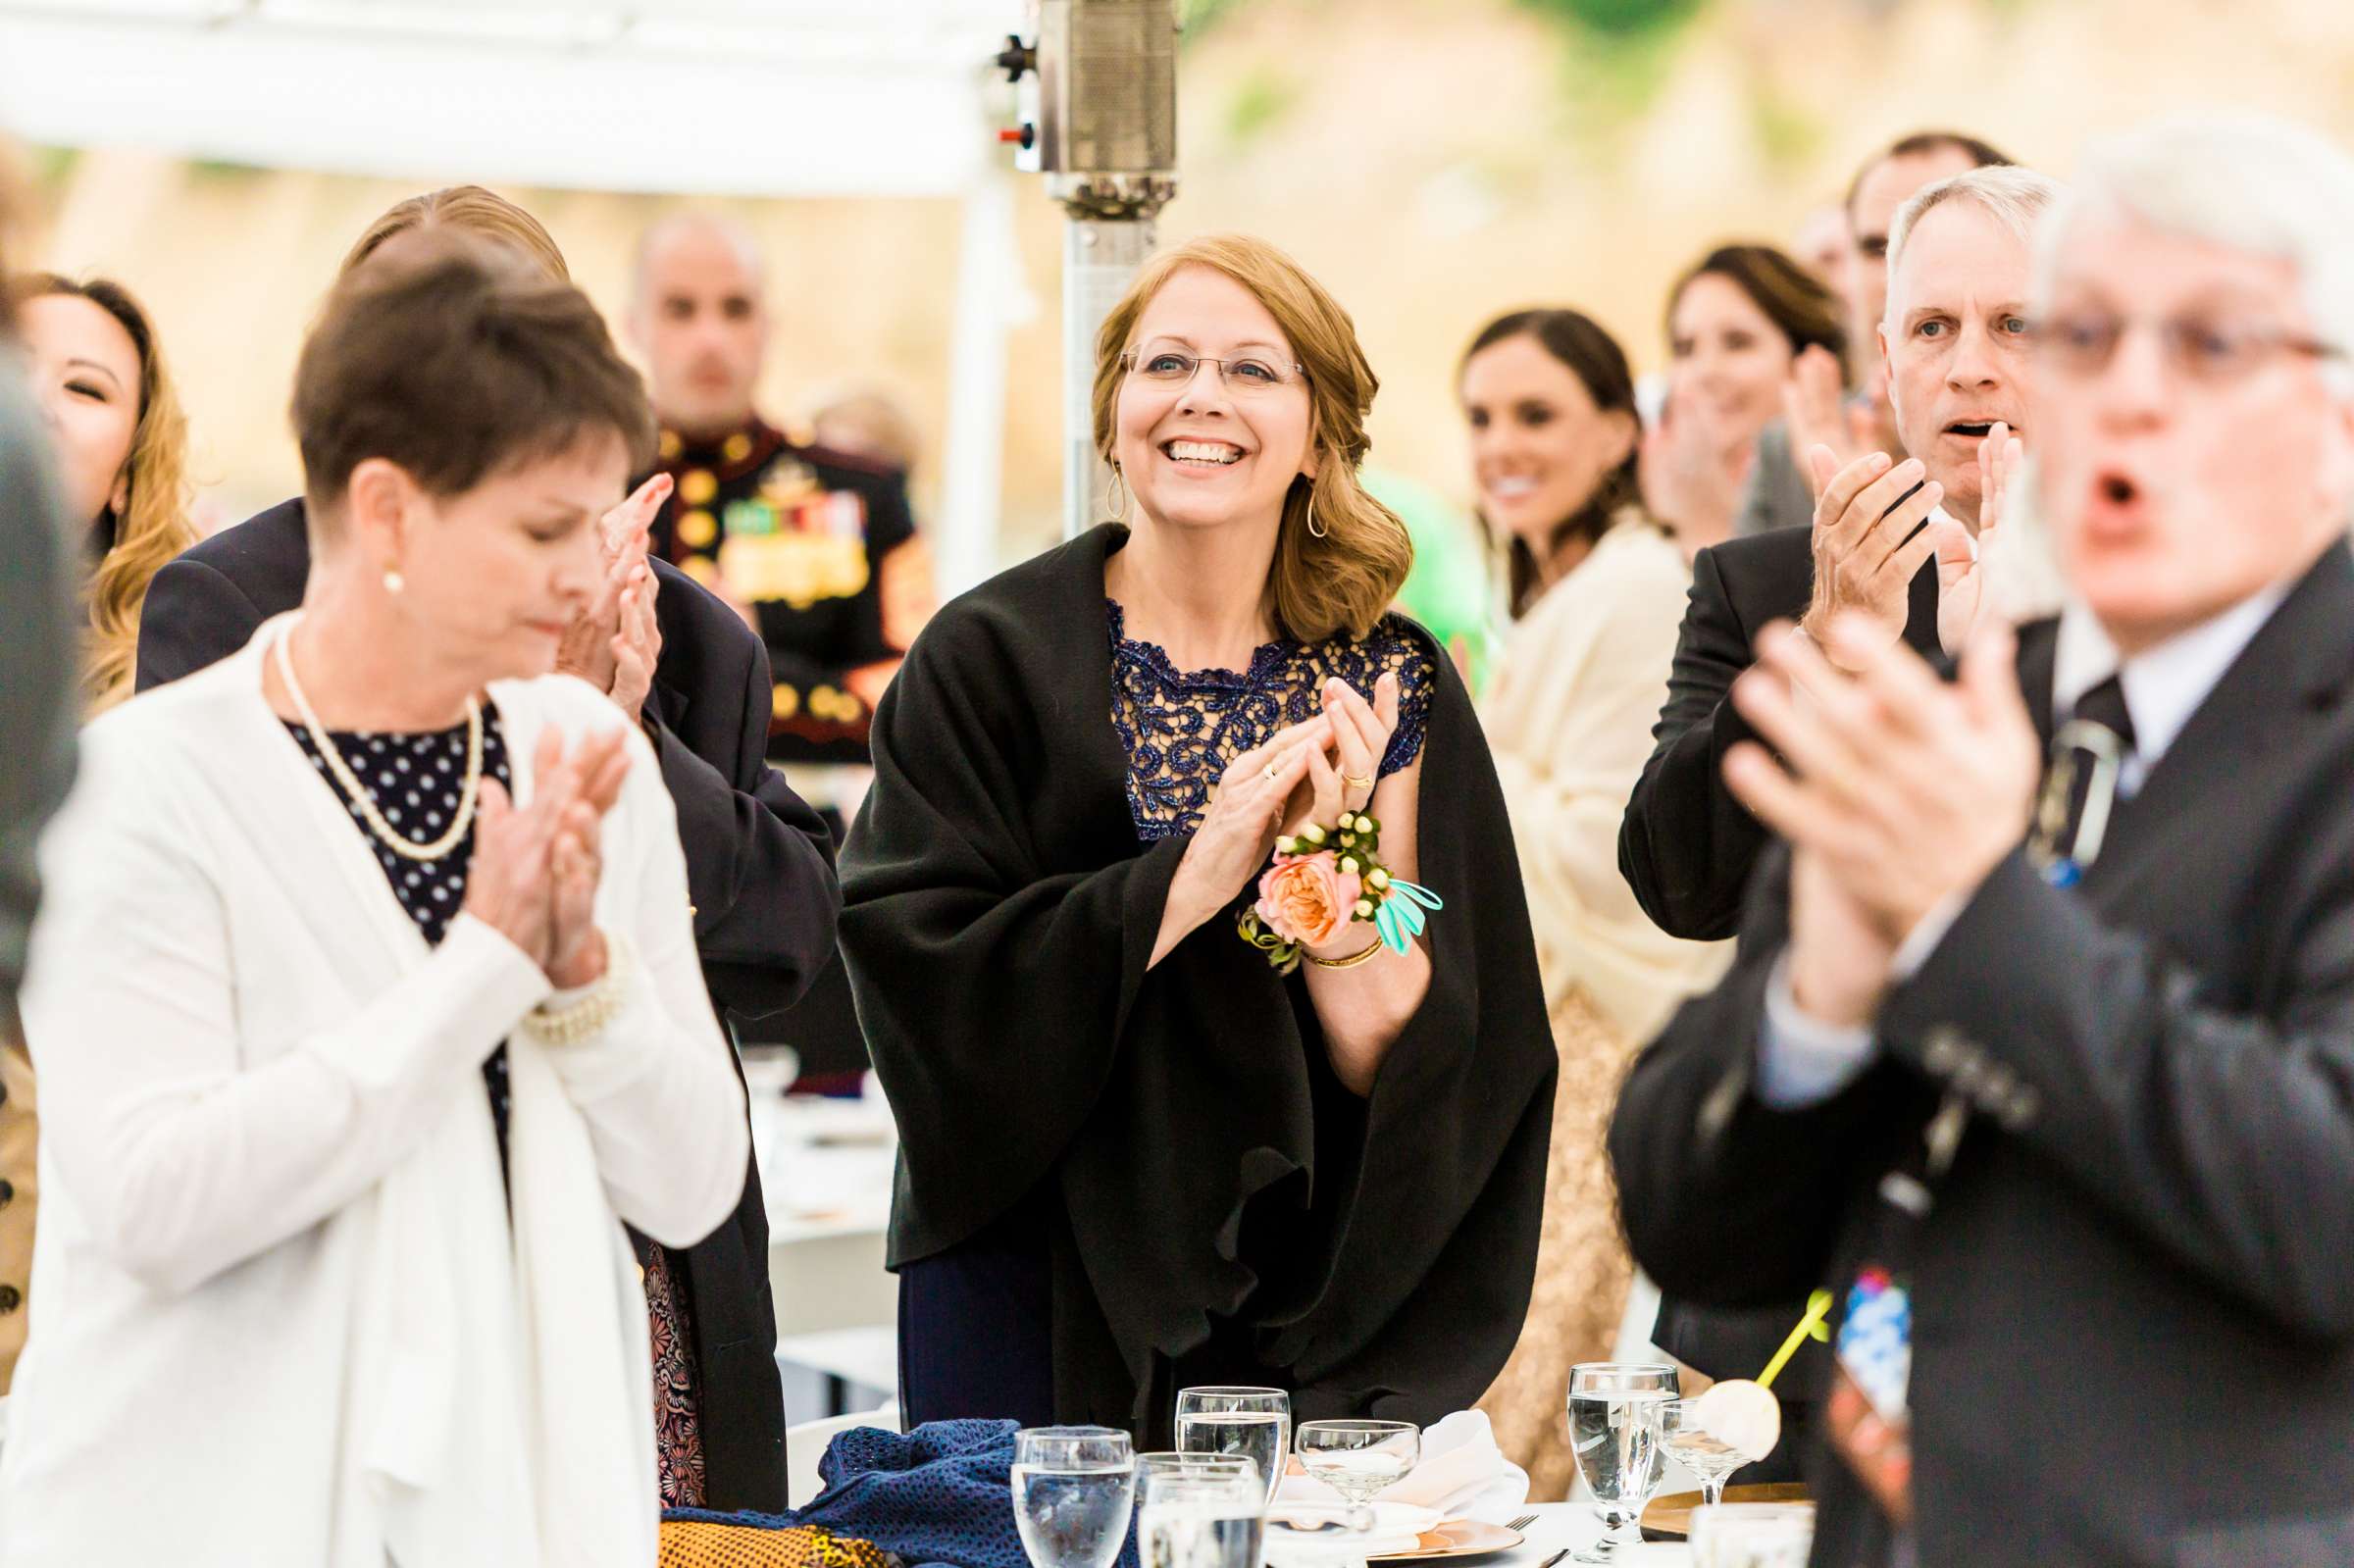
[1119, 483]
[1312, 519]
[394, 581]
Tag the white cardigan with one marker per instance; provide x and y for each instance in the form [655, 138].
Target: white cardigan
[279, 1315]
[1568, 714]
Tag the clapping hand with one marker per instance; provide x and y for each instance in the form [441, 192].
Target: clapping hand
[1870, 540]
[1962, 570]
[534, 869]
[614, 642]
[1690, 472]
[1906, 789]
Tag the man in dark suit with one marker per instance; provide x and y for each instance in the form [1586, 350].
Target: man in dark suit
[1952, 340]
[759, 861]
[2068, 1126]
[1777, 493]
[1893, 542]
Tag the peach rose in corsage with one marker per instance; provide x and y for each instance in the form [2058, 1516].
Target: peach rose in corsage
[1306, 899]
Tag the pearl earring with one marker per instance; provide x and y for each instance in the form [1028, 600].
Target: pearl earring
[394, 581]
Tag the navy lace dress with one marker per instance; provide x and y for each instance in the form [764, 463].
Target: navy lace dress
[976, 1320]
[1181, 728]
[417, 782]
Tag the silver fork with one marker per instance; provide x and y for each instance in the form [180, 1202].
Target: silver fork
[1521, 1523]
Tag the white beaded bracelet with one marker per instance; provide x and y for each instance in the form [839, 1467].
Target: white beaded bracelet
[588, 1017]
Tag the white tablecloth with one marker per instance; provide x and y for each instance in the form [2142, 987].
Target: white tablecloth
[1573, 1524]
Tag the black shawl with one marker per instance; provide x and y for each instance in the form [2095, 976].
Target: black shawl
[998, 912]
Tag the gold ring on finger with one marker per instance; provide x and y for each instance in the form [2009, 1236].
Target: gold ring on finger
[1355, 782]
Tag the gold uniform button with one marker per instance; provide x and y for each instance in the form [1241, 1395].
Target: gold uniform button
[698, 486]
[697, 529]
[787, 701]
[737, 447]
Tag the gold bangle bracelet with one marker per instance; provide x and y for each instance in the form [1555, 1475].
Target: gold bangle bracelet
[1350, 962]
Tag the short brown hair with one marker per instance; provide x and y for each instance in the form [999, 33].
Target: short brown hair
[1320, 586]
[475, 211]
[1798, 303]
[456, 359]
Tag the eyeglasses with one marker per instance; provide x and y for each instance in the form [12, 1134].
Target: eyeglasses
[1169, 366]
[2081, 343]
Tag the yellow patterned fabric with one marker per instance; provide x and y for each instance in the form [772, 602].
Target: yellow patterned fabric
[717, 1543]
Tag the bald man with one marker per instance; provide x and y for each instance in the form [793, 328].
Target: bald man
[815, 548]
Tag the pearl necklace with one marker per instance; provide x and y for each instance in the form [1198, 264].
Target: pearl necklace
[349, 781]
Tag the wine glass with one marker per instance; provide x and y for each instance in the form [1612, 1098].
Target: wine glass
[1208, 1514]
[1614, 1422]
[1255, 1423]
[1358, 1459]
[1073, 1489]
[1709, 1458]
[1753, 1535]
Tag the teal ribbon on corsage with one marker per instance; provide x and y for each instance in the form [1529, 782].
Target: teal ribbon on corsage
[1324, 878]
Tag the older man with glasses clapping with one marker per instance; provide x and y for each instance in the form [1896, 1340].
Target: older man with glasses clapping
[2052, 1083]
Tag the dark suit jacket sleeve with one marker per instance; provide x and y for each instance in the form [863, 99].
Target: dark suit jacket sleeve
[1727, 1202]
[759, 863]
[1685, 845]
[2223, 1140]
[39, 713]
[193, 617]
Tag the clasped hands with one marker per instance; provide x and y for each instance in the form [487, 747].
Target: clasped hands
[1896, 790]
[534, 869]
[1307, 772]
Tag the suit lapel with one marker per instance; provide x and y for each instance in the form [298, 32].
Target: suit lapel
[2299, 663]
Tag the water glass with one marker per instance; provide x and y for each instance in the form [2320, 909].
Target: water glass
[1208, 1515]
[1170, 1462]
[1689, 1442]
[1616, 1412]
[1255, 1423]
[1073, 1491]
[1753, 1535]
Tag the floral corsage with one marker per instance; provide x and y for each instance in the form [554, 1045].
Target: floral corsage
[1324, 879]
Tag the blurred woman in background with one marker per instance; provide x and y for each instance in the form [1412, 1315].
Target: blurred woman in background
[1736, 323]
[121, 447]
[1596, 590]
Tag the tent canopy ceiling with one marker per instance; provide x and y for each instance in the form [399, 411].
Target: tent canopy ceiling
[755, 97]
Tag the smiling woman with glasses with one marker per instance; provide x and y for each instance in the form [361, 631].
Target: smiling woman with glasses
[1198, 1082]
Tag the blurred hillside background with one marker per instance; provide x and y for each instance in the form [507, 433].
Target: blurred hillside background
[1433, 161]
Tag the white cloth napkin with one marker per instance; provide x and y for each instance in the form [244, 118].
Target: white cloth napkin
[1462, 1475]
[1397, 1526]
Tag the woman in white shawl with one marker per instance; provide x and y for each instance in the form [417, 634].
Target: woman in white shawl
[1597, 590]
[355, 1059]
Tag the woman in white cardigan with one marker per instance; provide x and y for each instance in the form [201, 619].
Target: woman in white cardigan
[354, 1062]
[1597, 591]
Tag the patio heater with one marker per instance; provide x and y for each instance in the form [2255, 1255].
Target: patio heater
[1099, 100]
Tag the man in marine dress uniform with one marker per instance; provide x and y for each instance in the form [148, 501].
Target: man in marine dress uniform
[815, 548]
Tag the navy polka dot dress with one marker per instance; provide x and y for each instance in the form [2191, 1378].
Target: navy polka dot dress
[416, 780]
